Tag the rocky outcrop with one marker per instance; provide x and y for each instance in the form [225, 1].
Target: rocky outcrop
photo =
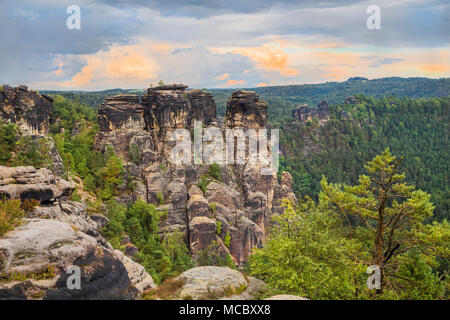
[245, 110]
[27, 183]
[38, 257]
[32, 112]
[304, 113]
[351, 100]
[203, 107]
[213, 283]
[242, 200]
[121, 112]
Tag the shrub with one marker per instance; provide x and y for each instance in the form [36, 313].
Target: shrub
[163, 167]
[227, 239]
[203, 183]
[160, 197]
[215, 171]
[219, 227]
[213, 256]
[212, 206]
[11, 214]
[136, 154]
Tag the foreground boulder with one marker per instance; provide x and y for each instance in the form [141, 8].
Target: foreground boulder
[210, 283]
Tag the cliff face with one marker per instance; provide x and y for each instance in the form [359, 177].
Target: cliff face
[246, 111]
[31, 111]
[241, 201]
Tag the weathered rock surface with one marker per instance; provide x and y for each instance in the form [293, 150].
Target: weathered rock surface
[243, 199]
[55, 237]
[40, 244]
[245, 110]
[27, 183]
[121, 112]
[137, 274]
[304, 113]
[32, 112]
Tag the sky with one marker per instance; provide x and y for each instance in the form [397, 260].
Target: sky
[219, 43]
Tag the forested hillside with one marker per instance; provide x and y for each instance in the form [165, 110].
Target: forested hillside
[282, 99]
[416, 128]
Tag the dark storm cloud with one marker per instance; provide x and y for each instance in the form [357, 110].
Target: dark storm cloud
[205, 8]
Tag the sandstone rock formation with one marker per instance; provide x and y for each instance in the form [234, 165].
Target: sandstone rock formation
[55, 236]
[204, 283]
[351, 100]
[32, 112]
[243, 199]
[28, 183]
[304, 113]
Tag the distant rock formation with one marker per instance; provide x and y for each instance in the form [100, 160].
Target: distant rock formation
[242, 201]
[351, 100]
[32, 112]
[53, 238]
[304, 113]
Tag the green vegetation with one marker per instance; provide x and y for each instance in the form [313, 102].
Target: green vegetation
[282, 99]
[48, 273]
[160, 198]
[74, 135]
[136, 154]
[227, 239]
[214, 256]
[11, 214]
[18, 150]
[417, 128]
[203, 183]
[168, 290]
[215, 171]
[8, 134]
[12, 211]
[321, 251]
[218, 227]
[162, 258]
[213, 206]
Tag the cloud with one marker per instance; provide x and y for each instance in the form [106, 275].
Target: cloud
[222, 76]
[232, 82]
[207, 8]
[385, 61]
[197, 42]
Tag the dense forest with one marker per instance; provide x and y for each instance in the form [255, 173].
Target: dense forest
[416, 128]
